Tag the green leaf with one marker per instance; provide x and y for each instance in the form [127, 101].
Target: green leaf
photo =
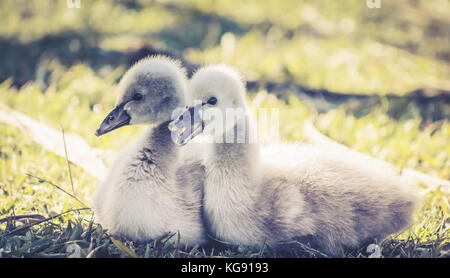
[123, 248]
[148, 251]
[76, 234]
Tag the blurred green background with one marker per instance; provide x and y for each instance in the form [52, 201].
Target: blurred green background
[375, 79]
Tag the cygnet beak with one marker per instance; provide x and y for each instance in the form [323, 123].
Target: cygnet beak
[188, 124]
[118, 117]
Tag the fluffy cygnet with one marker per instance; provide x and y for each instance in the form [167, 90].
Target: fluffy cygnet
[288, 192]
[152, 189]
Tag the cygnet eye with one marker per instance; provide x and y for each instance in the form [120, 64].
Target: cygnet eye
[212, 101]
[137, 96]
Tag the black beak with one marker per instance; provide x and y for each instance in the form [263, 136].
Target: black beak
[188, 125]
[118, 117]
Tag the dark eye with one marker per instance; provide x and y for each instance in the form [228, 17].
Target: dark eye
[137, 96]
[212, 100]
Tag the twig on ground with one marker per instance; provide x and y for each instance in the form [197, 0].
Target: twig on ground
[58, 187]
[82, 155]
[24, 216]
[42, 221]
[67, 159]
[307, 249]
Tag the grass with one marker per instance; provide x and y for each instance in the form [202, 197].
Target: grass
[56, 75]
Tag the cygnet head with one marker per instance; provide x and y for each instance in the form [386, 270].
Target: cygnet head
[148, 93]
[217, 95]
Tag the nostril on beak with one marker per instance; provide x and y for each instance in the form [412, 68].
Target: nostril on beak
[111, 117]
[172, 126]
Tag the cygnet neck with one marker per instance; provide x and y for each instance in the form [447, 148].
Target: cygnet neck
[159, 149]
[239, 153]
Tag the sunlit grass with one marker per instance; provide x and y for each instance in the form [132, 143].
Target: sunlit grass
[339, 46]
[79, 109]
[334, 45]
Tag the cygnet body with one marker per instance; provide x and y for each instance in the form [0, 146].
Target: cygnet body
[287, 193]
